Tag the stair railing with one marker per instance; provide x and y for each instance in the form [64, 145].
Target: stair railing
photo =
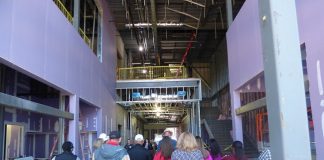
[209, 132]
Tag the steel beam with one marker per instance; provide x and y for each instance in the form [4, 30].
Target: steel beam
[74, 131]
[198, 117]
[76, 13]
[196, 3]
[19, 103]
[251, 106]
[183, 13]
[157, 83]
[284, 81]
[128, 103]
[229, 11]
[60, 136]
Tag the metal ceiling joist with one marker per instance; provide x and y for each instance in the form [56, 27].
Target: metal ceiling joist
[196, 3]
[158, 83]
[184, 47]
[183, 13]
[177, 41]
[190, 26]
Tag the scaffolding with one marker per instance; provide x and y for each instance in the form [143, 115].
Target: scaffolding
[162, 100]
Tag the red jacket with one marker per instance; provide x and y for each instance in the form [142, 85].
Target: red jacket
[159, 156]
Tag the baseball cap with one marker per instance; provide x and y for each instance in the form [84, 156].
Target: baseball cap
[103, 136]
[139, 137]
[114, 135]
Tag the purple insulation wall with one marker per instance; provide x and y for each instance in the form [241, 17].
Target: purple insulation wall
[88, 117]
[311, 30]
[40, 42]
[40, 146]
[60, 57]
[245, 56]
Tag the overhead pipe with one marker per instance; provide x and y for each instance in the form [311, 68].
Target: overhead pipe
[132, 22]
[193, 36]
[154, 29]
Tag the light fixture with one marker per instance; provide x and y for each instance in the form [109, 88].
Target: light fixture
[158, 114]
[158, 109]
[144, 71]
[140, 48]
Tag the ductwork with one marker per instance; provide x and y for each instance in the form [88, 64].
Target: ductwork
[154, 29]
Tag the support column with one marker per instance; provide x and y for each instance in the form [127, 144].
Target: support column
[192, 118]
[130, 126]
[229, 12]
[2, 131]
[198, 118]
[237, 130]
[74, 133]
[60, 135]
[289, 137]
[76, 15]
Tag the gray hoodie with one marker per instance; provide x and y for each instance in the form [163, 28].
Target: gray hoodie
[111, 152]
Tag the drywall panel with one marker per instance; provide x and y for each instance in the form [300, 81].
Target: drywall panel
[311, 30]
[39, 41]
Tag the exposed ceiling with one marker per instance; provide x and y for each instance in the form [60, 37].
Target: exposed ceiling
[166, 28]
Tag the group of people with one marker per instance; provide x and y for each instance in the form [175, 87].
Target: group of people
[188, 147]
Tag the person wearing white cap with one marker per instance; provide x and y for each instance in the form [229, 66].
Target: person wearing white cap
[138, 152]
[104, 137]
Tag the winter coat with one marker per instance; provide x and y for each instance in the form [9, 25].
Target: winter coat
[138, 152]
[111, 152]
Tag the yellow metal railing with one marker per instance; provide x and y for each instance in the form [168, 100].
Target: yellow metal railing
[152, 72]
[67, 14]
[61, 6]
[85, 38]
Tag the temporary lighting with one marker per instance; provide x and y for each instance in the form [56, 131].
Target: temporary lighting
[158, 109]
[144, 71]
[142, 25]
[158, 114]
[140, 48]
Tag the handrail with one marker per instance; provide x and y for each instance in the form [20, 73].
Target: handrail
[67, 14]
[85, 38]
[61, 6]
[210, 133]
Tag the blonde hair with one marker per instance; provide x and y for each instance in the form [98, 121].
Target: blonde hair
[187, 142]
[98, 143]
[201, 144]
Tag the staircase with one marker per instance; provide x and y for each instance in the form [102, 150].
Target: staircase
[221, 132]
[250, 149]
[220, 128]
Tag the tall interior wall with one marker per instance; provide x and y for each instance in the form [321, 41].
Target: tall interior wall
[40, 42]
[246, 63]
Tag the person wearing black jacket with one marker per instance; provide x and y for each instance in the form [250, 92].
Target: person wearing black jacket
[138, 152]
[67, 152]
[129, 145]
